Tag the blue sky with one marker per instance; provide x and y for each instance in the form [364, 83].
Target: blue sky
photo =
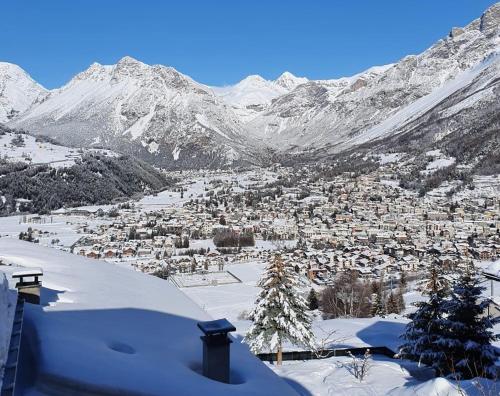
[219, 42]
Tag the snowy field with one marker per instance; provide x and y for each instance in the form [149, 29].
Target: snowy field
[207, 279]
[65, 228]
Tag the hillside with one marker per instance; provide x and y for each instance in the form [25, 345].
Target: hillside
[47, 176]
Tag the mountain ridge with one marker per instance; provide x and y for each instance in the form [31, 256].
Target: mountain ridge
[167, 118]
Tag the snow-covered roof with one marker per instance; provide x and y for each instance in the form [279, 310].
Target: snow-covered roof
[101, 326]
[493, 269]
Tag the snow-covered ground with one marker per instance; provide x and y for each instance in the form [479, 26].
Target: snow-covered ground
[195, 188]
[7, 307]
[65, 228]
[234, 300]
[103, 327]
[33, 152]
[385, 377]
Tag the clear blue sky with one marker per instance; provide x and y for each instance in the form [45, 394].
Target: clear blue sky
[219, 42]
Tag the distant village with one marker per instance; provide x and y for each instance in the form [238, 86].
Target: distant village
[360, 223]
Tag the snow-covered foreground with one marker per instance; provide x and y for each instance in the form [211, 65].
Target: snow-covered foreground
[385, 377]
[332, 376]
[102, 328]
[7, 307]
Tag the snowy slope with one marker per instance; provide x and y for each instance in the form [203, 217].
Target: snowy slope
[39, 152]
[108, 330]
[18, 91]
[425, 103]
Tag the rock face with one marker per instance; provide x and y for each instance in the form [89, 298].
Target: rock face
[18, 91]
[166, 118]
[465, 123]
[154, 112]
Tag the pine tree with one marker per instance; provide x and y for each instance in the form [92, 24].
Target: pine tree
[403, 281]
[467, 337]
[377, 300]
[392, 305]
[280, 313]
[400, 301]
[425, 327]
[312, 300]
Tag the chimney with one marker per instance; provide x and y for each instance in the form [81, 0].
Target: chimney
[216, 345]
[29, 289]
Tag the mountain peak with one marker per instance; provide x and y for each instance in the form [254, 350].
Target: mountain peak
[289, 81]
[95, 71]
[128, 60]
[18, 91]
[129, 67]
[253, 78]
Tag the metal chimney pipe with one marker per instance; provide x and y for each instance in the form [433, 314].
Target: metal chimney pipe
[216, 346]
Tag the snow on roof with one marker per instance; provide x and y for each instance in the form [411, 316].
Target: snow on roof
[493, 268]
[28, 272]
[104, 327]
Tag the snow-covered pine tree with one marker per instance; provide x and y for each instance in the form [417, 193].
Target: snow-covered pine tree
[425, 327]
[467, 331]
[280, 313]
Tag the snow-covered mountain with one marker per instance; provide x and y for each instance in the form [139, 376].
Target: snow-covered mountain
[252, 94]
[461, 118]
[344, 112]
[154, 112]
[18, 91]
[165, 117]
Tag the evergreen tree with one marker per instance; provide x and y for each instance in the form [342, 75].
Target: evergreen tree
[403, 281]
[400, 301]
[392, 305]
[377, 308]
[280, 313]
[425, 327]
[312, 300]
[467, 331]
